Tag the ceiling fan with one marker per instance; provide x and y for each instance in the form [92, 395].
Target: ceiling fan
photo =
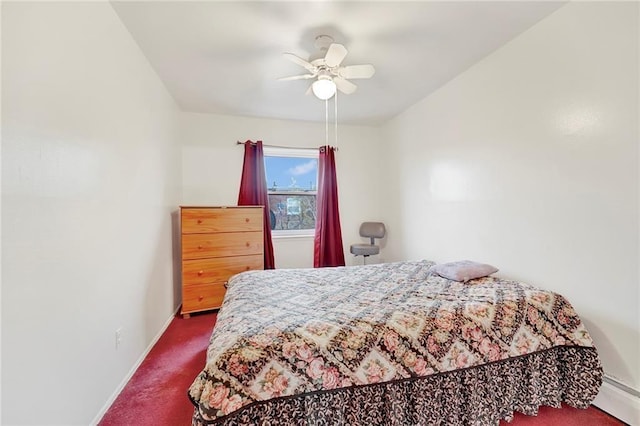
[327, 71]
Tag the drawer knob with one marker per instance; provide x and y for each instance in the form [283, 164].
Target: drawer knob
[246, 219]
[200, 298]
[200, 272]
[200, 247]
[226, 284]
[199, 221]
[247, 268]
[248, 244]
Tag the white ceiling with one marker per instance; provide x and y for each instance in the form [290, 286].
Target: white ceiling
[225, 57]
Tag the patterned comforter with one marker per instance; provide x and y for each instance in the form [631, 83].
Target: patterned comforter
[390, 342]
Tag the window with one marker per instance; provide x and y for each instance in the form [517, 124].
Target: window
[292, 182]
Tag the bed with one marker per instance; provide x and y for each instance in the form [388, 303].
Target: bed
[391, 344]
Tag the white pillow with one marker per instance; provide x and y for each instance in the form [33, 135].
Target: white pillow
[463, 270]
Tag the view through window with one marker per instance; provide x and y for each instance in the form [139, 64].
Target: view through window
[292, 182]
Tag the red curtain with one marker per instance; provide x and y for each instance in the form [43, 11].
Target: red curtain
[253, 192]
[327, 250]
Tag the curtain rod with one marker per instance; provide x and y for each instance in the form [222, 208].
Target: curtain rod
[279, 146]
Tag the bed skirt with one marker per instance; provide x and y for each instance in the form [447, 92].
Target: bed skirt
[481, 395]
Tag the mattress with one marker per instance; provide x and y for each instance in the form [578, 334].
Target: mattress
[387, 344]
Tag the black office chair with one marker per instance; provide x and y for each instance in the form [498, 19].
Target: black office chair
[371, 230]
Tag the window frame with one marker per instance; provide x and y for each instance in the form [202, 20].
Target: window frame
[270, 151]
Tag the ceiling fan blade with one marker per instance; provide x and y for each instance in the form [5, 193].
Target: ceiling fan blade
[303, 63]
[297, 77]
[335, 55]
[345, 86]
[357, 71]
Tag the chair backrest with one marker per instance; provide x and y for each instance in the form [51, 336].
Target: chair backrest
[372, 230]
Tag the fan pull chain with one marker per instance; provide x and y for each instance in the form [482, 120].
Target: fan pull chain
[335, 117]
[326, 121]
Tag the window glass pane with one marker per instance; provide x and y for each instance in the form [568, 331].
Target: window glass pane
[292, 184]
[291, 173]
[293, 211]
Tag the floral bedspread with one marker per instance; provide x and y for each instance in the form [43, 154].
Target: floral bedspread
[290, 332]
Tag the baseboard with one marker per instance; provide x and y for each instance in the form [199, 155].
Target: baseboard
[620, 404]
[124, 382]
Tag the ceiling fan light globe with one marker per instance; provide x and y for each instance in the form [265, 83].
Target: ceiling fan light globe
[323, 89]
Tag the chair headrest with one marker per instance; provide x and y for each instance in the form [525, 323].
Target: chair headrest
[372, 229]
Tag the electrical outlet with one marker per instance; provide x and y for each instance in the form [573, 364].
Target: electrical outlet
[118, 337]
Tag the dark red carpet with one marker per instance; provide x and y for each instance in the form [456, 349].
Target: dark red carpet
[567, 416]
[156, 395]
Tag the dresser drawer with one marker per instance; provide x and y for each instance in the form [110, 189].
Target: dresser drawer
[198, 246]
[201, 297]
[198, 221]
[200, 271]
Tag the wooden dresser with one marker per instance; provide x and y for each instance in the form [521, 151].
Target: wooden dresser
[216, 243]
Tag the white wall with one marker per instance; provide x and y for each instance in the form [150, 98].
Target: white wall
[529, 161]
[212, 165]
[90, 176]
